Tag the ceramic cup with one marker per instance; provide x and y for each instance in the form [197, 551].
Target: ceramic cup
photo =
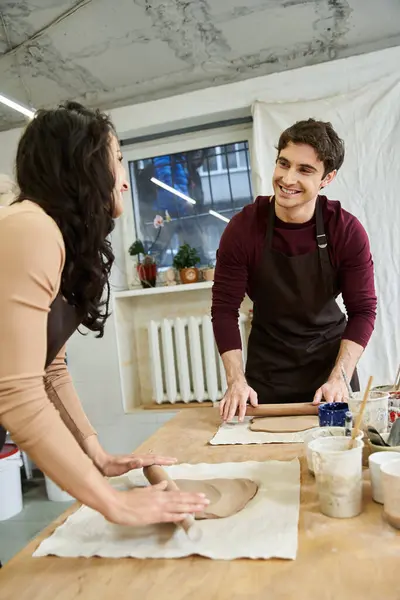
[332, 414]
[390, 473]
[338, 473]
[375, 461]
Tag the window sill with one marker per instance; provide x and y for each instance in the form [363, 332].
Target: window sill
[164, 289]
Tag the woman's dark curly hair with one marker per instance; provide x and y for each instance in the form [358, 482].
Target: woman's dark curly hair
[64, 165]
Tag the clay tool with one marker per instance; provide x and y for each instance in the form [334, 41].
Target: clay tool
[156, 474]
[282, 410]
[394, 436]
[375, 437]
[347, 382]
[360, 414]
[348, 424]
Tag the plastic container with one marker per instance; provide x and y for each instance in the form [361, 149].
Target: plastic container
[10, 482]
[376, 411]
[319, 432]
[55, 493]
[375, 461]
[390, 473]
[338, 473]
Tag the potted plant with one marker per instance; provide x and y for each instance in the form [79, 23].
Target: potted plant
[185, 262]
[147, 268]
[208, 272]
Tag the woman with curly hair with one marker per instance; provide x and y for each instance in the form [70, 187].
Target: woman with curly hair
[55, 263]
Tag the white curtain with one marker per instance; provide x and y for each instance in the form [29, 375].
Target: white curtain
[368, 186]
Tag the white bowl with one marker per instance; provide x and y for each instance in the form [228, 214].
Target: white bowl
[375, 461]
[317, 432]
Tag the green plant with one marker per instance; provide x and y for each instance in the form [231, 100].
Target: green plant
[186, 257]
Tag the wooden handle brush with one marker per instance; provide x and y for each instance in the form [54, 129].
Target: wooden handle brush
[360, 413]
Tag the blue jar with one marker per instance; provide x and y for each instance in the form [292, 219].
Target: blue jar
[332, 414]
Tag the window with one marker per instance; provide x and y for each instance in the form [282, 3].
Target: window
[216, 178]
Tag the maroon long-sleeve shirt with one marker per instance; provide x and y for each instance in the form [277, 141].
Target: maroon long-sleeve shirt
[240, 253]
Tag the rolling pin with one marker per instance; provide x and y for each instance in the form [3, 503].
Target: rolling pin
[282, 410]
[156, 474]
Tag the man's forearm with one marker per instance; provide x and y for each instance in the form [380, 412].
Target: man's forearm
[347, 358]
[233, 364]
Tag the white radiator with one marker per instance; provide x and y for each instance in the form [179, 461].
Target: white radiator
[184, 361]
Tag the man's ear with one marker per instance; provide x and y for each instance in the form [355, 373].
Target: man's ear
[328, 178]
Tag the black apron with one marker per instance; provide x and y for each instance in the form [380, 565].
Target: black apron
[297, 325]
[63, 320]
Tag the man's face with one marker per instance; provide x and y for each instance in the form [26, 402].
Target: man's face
[298, 176]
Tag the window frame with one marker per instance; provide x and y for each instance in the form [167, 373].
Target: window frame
[171, 145]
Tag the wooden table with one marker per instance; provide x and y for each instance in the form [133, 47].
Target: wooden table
[337, 559]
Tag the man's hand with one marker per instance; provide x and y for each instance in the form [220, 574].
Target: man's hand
[237, 395]
[334, 390]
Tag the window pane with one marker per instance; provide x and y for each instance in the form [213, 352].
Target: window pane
[198, 175]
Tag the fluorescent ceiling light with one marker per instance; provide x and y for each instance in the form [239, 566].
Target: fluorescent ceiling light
[173, 190]
[219, 216]
[18, 107]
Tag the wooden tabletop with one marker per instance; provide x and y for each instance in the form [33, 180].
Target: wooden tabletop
[336, 560]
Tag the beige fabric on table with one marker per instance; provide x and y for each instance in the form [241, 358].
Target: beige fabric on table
[284, 424]
[40, 408]
[266, 527]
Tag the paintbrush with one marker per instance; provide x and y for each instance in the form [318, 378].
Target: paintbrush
[346, 380]
[360, 413]
[396, 385]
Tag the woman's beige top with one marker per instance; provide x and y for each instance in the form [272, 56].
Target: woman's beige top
[39, 407]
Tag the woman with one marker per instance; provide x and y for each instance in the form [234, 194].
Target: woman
[55, 262]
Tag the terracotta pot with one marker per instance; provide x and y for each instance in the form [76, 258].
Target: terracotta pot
[189, 275]
[147, 275]
[209, 274]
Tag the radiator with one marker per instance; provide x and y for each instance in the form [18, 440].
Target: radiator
[184, 362]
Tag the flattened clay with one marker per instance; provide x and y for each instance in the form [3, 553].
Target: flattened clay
[284, 424]
[227, 496]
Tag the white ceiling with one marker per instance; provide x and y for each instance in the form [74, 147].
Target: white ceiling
[111, 53]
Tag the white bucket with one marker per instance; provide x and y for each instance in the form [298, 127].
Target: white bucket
[318, 432]
[55, 493]
[375, 462]
[10, 482]
[338, 473]
[376, 412]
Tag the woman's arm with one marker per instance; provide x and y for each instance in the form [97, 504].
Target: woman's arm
[31, 262]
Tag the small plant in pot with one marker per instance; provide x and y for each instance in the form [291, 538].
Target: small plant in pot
[208, 272]
[185, 262]
[147, 268]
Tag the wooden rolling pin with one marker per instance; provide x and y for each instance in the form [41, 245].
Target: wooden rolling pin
[282, 410]
[156, 474]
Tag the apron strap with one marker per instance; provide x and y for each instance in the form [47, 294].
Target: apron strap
[270, 225]
[323, 252]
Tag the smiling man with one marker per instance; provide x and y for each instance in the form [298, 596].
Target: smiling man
[293, 254]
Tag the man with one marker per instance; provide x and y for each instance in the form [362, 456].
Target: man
[293, 254]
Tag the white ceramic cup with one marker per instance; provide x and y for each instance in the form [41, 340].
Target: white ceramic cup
[390, 473]
[338, 473]
[375, 461]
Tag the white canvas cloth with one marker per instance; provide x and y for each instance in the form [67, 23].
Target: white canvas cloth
[265, 528]
[368, 119]
[240, 433]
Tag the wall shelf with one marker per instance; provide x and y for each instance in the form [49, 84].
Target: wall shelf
[165, 289]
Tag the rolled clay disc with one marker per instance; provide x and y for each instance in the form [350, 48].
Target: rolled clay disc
[227, 496]
[284, 424]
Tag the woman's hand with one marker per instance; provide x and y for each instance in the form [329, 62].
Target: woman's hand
[145, 506]
[114, 465]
